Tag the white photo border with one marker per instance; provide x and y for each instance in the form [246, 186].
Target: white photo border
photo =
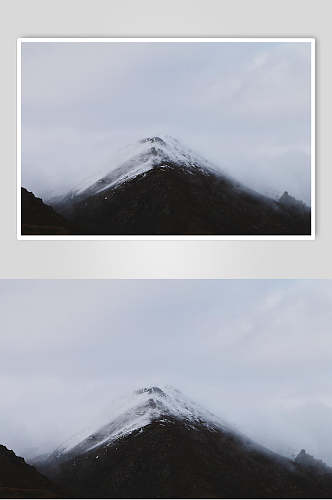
[310, 40]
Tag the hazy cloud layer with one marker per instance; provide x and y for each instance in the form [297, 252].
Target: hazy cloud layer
[256, 352]
[245, 106]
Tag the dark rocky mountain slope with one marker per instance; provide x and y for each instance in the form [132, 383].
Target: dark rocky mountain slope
[165, 189]
[38, 218]
[20, 480]
[165, 446]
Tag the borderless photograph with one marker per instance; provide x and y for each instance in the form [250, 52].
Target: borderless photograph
[166, 388]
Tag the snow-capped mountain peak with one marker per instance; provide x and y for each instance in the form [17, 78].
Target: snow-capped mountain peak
[141, 408]
[186, 452]
[141, 157]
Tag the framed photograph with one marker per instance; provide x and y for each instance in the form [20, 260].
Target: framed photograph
[166, 138]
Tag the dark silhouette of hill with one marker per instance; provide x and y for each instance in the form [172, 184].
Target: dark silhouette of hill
[40, 219]
[20, 480]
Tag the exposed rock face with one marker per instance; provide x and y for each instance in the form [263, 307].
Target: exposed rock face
[20, 480]
[39, 218]
[154, 140]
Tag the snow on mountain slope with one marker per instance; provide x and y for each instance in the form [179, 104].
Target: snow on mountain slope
[137, 411]
[143, 156]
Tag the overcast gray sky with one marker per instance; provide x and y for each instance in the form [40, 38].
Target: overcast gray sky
[258, 353]
[245, 106]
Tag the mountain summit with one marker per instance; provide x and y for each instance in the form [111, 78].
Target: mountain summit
[160, 444]
[143, 156]
[136, 411]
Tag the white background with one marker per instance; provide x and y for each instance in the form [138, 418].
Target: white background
[130, 259]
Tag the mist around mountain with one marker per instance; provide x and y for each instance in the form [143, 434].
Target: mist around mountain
[160, 187]
[160, 444]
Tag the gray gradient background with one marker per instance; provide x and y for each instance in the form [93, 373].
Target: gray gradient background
[109, 259]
